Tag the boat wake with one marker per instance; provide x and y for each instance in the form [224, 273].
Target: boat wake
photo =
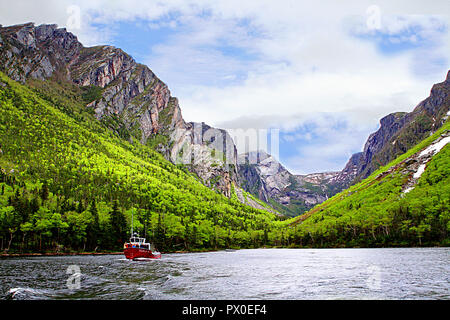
[26, 294]
[146, 259]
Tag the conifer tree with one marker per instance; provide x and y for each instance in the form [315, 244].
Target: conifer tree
[93, 228]
[44, 192]
[118, 225]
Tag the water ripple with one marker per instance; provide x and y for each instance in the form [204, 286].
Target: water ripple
[404, 273]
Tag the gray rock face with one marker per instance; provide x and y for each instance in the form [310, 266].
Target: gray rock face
[399, 132]
[130, 93]
[250, 201]
[207, 151]
[44, 32]
[346, 177]
[36, 52]
[262, 175]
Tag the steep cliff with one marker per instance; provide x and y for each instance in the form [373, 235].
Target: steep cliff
[263, 176]
[125, 95]
[400, 131]
[27, 51]
[207, 151]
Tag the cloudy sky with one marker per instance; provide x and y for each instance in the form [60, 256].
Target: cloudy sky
[322, 73]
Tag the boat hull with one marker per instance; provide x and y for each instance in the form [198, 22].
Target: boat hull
[134, 253]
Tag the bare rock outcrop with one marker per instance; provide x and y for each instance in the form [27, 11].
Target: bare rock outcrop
[399, 132]
[270, 181]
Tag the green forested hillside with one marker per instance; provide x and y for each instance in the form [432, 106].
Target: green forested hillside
[376, 212]
[69, 183]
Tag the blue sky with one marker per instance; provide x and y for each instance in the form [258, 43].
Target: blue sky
[136, 38]
[420, 39]
[323, 74]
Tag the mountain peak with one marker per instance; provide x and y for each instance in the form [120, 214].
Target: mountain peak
[37, 52]
[400, 131]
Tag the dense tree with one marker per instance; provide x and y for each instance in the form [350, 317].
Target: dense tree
[93, 227]
[44, 192]
[118, 225]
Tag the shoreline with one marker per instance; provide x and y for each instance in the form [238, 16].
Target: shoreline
[50, 254]
[61, 254]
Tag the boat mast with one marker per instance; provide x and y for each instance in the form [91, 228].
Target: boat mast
[132, 213]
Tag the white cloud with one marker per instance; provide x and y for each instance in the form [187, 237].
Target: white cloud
[325, 144]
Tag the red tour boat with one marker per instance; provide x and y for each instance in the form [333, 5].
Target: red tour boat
[137, 247]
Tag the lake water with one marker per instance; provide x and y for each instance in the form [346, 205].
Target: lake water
[397, 273]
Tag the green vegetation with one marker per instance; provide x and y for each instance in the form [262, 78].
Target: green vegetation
[260, 202]
[68, 183]
[91, 93]
[375, 212]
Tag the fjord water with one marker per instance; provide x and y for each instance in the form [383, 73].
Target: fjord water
[395, 273]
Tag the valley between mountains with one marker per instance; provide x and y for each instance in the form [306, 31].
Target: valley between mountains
[89, 136]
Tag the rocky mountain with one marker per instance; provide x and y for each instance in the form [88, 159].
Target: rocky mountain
[399, 132]
[403, 203]
[207, 151]
[125, 95]
[345, 177]
[263, 176]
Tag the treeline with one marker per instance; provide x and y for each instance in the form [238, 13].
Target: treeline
[32, 219]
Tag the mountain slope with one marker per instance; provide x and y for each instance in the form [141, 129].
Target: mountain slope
[400, 131]
[103, 87]
[406, 202]
[126, 96]
[68, 182]
[133, 102]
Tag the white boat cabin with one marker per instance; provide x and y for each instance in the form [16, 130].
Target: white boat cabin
[137, 242]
